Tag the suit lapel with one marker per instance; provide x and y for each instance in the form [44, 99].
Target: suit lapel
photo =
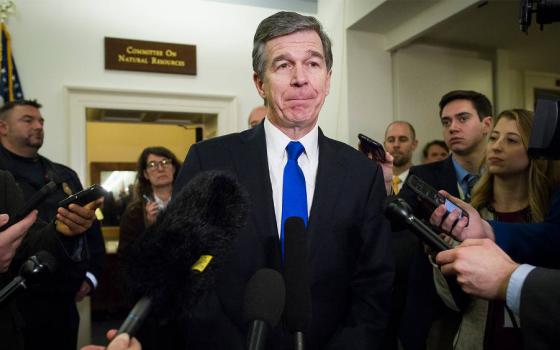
[330, 176]
[252, 169]
[448, 177]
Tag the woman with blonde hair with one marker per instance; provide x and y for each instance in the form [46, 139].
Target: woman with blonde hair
[513, 188]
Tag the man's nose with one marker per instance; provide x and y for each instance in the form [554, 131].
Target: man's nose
[37, 124]
[299, 77]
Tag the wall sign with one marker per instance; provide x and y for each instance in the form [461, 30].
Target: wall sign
[149, 56]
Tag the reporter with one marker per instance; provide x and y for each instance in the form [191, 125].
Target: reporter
[484, 270]
[26, 238]
[157, 169]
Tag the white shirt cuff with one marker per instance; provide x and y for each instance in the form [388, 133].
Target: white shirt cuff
[515, 284]
[92, 278]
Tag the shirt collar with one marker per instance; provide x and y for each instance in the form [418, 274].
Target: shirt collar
[276, 141]
[460, 171]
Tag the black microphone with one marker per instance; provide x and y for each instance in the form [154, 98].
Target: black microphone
[397, 208]
[264, 302]
[31, 204]
[174, 262]
[32, 270]
[296, 274]
[136, 316]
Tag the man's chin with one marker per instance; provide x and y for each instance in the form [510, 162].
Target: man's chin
[35, 145]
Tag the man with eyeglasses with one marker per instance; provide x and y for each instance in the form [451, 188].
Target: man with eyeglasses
[51, 317]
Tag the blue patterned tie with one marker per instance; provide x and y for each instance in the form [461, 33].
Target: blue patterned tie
[471, 181]
[294, 197]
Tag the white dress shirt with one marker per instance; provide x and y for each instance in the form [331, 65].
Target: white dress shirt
[276, 142]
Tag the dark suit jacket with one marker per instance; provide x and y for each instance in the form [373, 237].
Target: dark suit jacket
[540, 309]
[348, 238]
[41, 236]
[50, 313]
[538, 243]
[423, 306]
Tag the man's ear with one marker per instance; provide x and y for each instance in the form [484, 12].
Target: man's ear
[3, 128]
[487, 124]
[259, 84]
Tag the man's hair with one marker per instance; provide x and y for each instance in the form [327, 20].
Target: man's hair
[439, 143]
[410, 127]
[284, 23]
[7, 107]
[480, 102]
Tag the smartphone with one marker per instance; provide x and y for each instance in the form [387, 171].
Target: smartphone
[369, 146]
[430, 196]
[83, 197]
[32, 203]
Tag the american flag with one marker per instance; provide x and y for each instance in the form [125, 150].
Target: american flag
[10, 86]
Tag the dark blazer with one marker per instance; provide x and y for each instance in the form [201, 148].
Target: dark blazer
[540, 309]
[50, 313]
[537, 243]
[41, 236]
[423, 306]
[348, 236]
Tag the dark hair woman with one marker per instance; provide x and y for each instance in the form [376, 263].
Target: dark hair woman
[157, 168]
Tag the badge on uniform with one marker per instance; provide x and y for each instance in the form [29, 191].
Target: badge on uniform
[66, 188]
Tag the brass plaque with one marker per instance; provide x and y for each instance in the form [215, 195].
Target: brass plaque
[149, 56]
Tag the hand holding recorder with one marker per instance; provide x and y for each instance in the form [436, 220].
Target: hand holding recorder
[375, 151]
[457, 224]
[77, 212]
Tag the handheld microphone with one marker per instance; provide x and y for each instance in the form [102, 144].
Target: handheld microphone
[264, 302]
[32, 270]
[296, 275]
[398, 209]
[31, 204]
[174, 262]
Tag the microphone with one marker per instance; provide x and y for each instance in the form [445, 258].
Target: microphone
[296, 275]
[31, 204]
[264, 302]
[174, 262]
[33, 269]
[398, 209]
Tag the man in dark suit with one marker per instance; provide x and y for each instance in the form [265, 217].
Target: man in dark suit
[51, 316]
[348, 237]
[19, 242]
[466, 119]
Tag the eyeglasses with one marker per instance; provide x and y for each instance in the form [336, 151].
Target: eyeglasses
[163, 163]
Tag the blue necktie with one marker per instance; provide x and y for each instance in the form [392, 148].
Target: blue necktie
[471, 180]
[294, 197]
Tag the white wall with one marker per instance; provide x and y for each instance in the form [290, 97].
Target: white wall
[58, 44]
[370, 96]
[422, 74]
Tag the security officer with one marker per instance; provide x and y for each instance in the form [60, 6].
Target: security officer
[51, 316]
[21, 240]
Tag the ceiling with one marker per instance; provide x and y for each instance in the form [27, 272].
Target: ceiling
[486, 26]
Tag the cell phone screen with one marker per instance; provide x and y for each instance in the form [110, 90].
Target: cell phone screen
[450, 206]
